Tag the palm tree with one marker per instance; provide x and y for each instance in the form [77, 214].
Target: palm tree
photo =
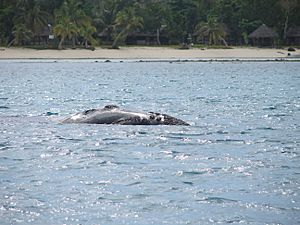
[21, 34]
[87, 32]
[30, 13]
[36, 18]
[125, 22]
[105, 13]
[71, 13]
[213, 29]
[64, 29]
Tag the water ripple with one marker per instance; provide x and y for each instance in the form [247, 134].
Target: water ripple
[237, 163]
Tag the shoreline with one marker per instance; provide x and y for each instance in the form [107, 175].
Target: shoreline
[101, 60]
[152, 54]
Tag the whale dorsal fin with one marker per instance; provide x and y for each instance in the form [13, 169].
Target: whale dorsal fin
[109, 107]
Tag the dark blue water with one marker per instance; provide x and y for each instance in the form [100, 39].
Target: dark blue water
[237, 164]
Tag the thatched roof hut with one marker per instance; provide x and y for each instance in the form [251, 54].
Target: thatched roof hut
[293, 36]
[44, 36]
[263, 36]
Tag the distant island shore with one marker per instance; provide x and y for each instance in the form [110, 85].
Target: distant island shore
[152, 53]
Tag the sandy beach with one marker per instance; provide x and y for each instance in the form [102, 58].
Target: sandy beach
[151, 53]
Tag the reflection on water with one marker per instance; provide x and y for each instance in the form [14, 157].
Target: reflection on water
[237, 163]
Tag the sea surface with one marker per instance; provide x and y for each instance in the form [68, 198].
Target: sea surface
[238, 162]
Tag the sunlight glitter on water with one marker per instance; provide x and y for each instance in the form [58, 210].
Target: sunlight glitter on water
[237, 163]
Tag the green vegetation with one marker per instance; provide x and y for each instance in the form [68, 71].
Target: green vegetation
[79, 23]
[213, 29]
[126, 21]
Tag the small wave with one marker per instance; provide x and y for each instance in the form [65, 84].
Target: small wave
[3, 148]
[3, 144]
[50, 114]
[112, 139]
[188, 183]
[279, 115]
[134, 183]
[238, 141]
[180, 135]
[235, 220]
[218, 200]
[139, 196]
[213, 101]
[109, 163]
[142, 132]
[272, 141]
[222, 132]
[6, 158]
[3, 107]
[68, 139]
[70, 100]
[265, 128]
[180, 173]
[270, 108]
[245, 132]
[199, 172]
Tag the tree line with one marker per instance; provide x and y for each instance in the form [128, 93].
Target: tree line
[79, 21]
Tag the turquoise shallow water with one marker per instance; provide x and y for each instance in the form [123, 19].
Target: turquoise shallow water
[237, 164]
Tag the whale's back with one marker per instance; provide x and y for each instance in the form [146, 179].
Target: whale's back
[112, 114]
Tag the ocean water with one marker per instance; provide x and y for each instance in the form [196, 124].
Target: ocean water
[238, 162]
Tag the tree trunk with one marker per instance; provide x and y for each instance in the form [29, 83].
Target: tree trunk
[11, 43]
[60, 43]
[116, 41]
[224, 41]
[285, 26]
[73, 42]
[157, 36]
[86, 43]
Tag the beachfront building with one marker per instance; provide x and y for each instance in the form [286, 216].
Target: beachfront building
[105, 37]
[42, 37]
[263, 36]
[293, 36]
[136, 38]
[141, 38]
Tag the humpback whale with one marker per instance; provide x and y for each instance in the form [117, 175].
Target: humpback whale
[112, 114]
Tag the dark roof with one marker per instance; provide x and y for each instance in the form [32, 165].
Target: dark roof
[105, 33]
[141, 34]
[293, 32]
[45, 31]
[263, 32]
